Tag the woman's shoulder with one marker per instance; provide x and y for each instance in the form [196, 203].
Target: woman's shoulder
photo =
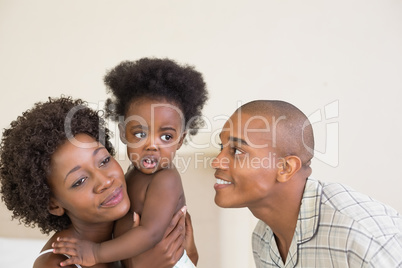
[46, 258]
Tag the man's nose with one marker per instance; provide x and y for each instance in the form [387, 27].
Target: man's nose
[220, 162]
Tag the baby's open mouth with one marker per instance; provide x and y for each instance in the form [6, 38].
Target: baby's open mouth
[149, 162]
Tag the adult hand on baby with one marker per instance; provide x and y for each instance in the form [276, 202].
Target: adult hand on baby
[81, 252]
[189, 241]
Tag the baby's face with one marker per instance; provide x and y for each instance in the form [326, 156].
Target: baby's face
[87, 182]
[153, 131]
[247, 166]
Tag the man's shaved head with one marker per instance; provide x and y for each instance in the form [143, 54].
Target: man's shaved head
[294, 133]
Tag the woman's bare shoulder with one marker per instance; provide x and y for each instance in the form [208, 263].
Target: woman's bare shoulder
[49, 259]
[46, 258]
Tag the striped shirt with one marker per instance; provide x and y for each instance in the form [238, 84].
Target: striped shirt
[336, 227]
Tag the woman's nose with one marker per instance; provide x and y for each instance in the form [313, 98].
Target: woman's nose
[103, 182]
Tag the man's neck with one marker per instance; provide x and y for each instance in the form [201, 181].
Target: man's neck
[281, 212]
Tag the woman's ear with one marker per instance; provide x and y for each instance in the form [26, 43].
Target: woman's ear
[289, 166]
[122, 131]
[55, 208]
[180, 143]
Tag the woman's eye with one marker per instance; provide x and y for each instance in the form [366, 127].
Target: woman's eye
[166, 137]
[105, 161]
[140, 135]
[79, 182]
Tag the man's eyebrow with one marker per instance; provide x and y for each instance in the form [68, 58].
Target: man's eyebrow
[238, 140]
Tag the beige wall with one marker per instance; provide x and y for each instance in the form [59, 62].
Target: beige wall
[341, 60]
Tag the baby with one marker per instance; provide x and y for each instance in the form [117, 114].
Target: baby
[161, 103]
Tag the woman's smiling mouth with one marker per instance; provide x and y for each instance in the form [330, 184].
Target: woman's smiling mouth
[114, 198]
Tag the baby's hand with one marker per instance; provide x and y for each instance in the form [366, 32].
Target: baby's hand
[82, 252]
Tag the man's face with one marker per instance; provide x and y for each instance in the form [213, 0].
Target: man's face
[246, 168]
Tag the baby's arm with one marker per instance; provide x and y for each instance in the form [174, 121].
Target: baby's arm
[167, 252]
[160, 205]
[81, 251]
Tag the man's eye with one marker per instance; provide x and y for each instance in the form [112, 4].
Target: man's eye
[140, 135]
[237, 152]
[105, 161]
[79, 182]
[166, 137]
[221, 146]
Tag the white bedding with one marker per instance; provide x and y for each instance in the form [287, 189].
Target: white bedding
[19, 253]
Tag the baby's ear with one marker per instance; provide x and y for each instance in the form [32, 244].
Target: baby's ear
[55, 208]
[122, 131]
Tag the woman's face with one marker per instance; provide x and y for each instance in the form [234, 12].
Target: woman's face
[87, 182]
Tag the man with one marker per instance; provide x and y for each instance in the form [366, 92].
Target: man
[264, 165]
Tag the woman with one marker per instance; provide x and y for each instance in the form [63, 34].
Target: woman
[57, 172]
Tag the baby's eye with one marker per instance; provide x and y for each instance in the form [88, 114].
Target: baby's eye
[79, 182]
[166, 137]
[140, 135]
[105, 161]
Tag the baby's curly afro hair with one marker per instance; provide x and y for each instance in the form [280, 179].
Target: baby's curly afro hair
[160, 79]
[26, 149]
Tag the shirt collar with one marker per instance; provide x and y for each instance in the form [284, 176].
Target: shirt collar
[307, 223]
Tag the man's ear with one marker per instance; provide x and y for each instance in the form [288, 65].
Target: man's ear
[122, 131]
[183, 136]
[55, 208]
[289, 166]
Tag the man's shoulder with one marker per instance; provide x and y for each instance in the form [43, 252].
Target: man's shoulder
[346, 206]
[260, 227]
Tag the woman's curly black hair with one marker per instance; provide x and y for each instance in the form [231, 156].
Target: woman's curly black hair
[26, 149]
[161, 79]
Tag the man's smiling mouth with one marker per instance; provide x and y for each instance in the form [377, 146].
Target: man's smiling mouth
[220, 181]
